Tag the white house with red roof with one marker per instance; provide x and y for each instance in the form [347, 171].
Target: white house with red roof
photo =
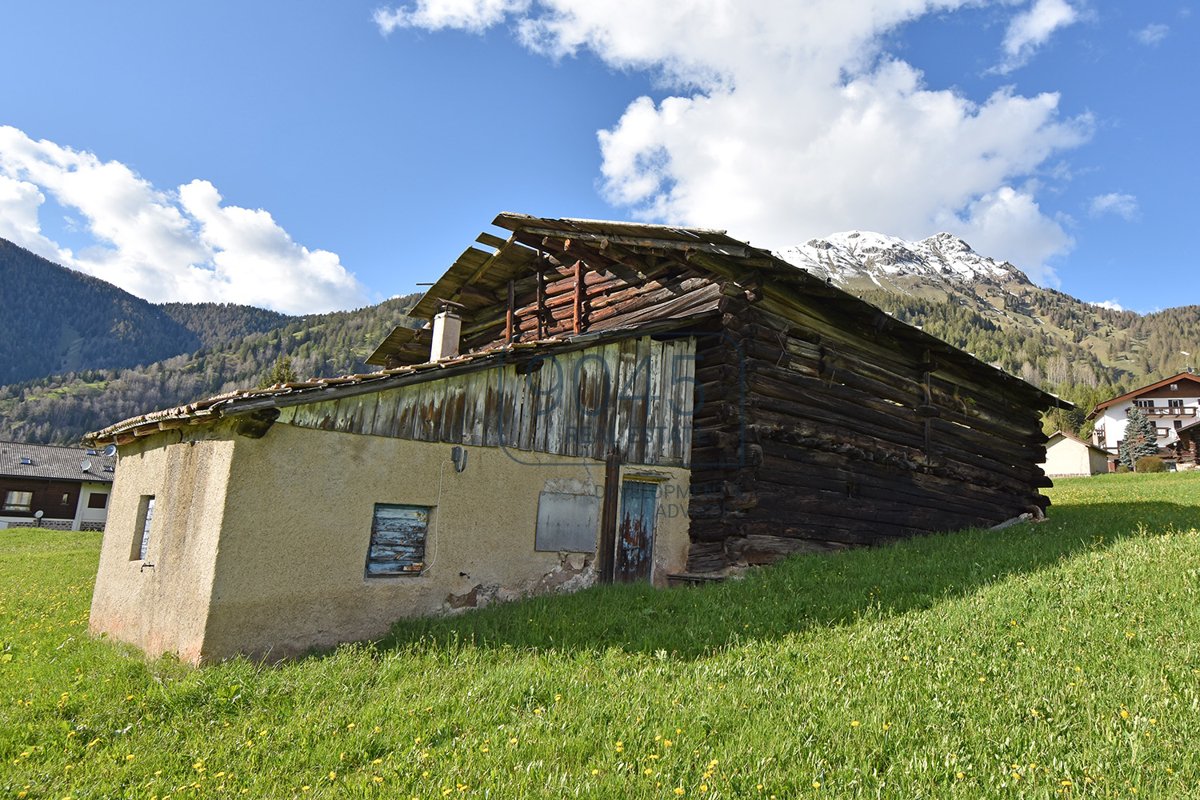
[1171, 404]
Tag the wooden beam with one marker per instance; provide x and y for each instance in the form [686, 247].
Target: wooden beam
[508, 320]
[541, 303]
[694, 244]
[606, 555]
[579, 297]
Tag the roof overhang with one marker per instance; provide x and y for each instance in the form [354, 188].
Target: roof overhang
[236, 404]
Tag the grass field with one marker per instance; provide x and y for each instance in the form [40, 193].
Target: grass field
[1060, 659]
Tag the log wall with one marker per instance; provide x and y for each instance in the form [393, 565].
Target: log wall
[813, 434]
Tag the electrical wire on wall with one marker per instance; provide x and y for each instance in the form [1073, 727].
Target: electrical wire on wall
[437, 518]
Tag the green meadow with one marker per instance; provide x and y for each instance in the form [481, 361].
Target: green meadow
[1059, 659]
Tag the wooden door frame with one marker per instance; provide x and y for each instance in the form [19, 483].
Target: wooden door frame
[609, 518]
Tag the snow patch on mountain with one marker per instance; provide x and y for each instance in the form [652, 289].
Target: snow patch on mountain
[942, 258]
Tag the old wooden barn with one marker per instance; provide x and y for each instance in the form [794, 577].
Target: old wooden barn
[590, 401]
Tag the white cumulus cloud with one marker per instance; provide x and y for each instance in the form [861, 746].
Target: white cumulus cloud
[178, 245]
[1124, 206]
[990, 221]
[1152, 34]
[471, 15]
[789, 120]
[1032, 28]
[1111, 305]
[19, 204]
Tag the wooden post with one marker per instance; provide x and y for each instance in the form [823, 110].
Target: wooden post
[508, 320]
[579, 296]
[541, 300]
[607, 549]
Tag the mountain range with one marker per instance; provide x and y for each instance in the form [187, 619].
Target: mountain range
[82, 353]
[991, 309]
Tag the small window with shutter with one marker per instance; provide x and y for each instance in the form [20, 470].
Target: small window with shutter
[398, 534]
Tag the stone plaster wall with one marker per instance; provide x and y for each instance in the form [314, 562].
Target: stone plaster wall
[287, 574]
[161, 604]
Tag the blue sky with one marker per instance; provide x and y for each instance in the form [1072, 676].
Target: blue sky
[311, 155]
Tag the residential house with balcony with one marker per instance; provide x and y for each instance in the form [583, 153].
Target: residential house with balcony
[60, 488]
[1171, 404]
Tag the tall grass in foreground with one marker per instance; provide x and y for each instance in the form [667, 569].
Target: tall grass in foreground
[1060, 659]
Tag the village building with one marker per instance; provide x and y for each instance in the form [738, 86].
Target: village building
[1170, 404]
[1187, 448]
[1069, 456]
[590, 402]
[59, 488]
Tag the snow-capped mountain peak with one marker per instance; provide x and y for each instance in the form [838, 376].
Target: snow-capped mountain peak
[941, 258]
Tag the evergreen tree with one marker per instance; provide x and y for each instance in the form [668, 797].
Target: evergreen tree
[1140, 439]
[281, 372]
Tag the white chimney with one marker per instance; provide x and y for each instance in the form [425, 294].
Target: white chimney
[447, 325]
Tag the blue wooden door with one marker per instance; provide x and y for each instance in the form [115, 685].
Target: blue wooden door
[635, 532]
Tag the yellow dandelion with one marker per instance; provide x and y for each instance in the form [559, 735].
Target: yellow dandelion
[679, 791]
[855, 723]
[816, 784]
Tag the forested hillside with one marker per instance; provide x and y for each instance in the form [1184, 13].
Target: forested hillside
[58, 320]
[63, 407]
[220, 323]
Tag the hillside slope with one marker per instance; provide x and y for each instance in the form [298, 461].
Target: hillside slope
[1050, 661]
[58, 320]
[61, 408]
[219, 323]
